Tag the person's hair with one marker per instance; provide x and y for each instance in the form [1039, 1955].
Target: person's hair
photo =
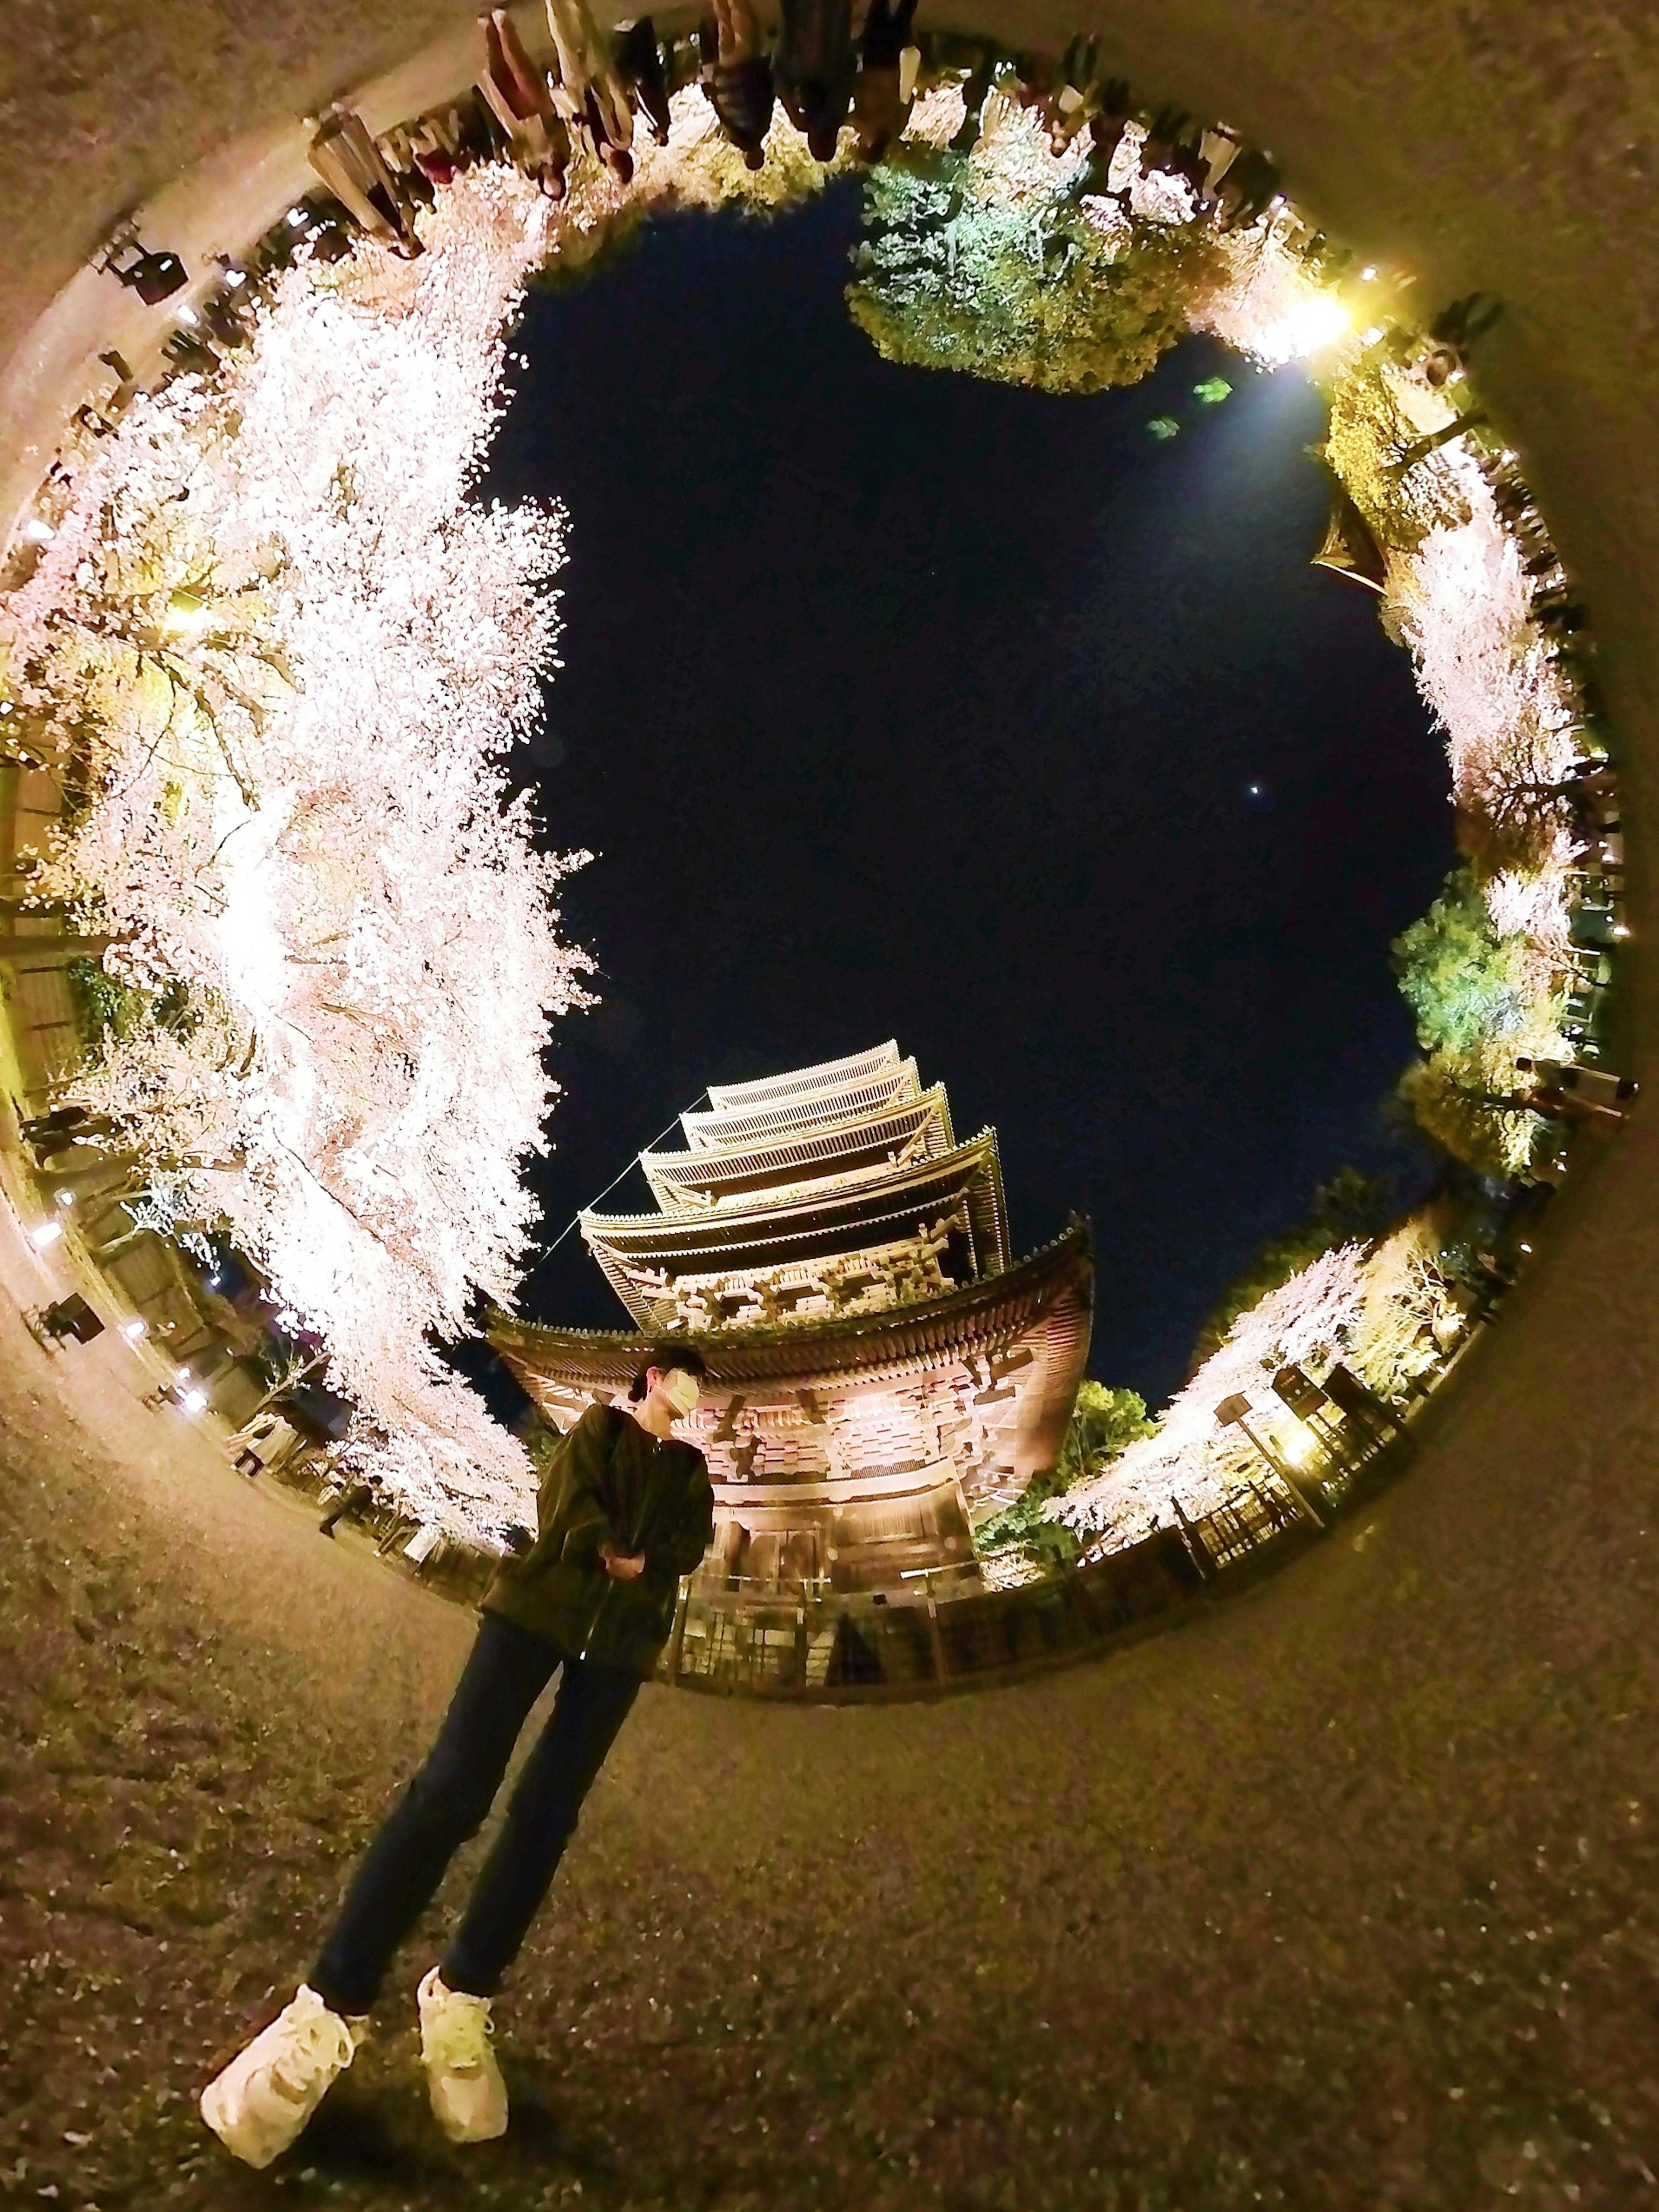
[665, 1357]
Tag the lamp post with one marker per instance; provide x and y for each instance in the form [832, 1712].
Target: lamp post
[1233, 1413]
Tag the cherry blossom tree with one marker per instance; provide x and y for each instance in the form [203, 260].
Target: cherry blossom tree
[1389, 1313]
[296, 653]
[1309, 1321]
[1464, 604]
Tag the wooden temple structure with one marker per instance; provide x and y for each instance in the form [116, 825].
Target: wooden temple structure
[881, 1373]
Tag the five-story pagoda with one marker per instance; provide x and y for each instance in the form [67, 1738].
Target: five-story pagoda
[880, 1374]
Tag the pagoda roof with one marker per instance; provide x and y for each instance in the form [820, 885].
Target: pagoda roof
[864, 1143]
[833, 1090]
[975, 1323]
[807, 1225]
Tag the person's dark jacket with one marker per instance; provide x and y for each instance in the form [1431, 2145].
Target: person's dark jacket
[814, 65]
[740, 94]
[608, 1482]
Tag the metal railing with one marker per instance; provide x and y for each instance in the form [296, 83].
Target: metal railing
[915, 1641]
[735, 1638]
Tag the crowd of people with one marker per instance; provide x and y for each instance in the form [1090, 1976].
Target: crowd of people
[846, 81]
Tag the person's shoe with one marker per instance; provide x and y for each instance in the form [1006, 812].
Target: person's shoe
[261, 2103]
[468, 2097]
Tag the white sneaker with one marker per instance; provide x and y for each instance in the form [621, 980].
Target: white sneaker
[468, 2097]
[262, 2100]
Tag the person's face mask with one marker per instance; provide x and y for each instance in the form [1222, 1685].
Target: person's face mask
[682, 1390]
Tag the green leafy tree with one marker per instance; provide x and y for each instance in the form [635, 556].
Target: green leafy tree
[1021, 1528]
[1351, 1208]
[1453, 1098]
[1103, 1420]
[1386, 470]
[108, 1012]
[1018, 291]
[1463, 982]
[1477, 1001]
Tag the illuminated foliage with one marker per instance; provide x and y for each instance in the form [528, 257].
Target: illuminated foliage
[1470, 1103]
[1462, 981]
[1103, 1420]
[1412, 1316]
[293, 654]
[1309, 1320]
[1021, 290]
[1351, 1207]
[1370, 442]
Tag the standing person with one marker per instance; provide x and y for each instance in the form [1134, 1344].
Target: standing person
[975, 91]
[1247, 190]
[737, 77]
[639, 58]
[1074, 98]
[814, 65]
[1106, 129]
[624, 1510]
[349, 163]
[592, 86]
[880, 109]
[518, 95]
[350, 1499]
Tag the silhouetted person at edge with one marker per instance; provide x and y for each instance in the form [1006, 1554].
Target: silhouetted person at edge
[1106, 130]
[639, 63]
[975, 91]
[814, 64]
[737, 77]
[352, 1499]
[590, 90]
[624, 1510]
[880, 106]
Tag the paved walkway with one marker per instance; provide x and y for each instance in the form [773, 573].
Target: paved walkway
[1343, 1897]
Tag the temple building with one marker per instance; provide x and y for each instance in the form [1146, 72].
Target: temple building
[882, 1375]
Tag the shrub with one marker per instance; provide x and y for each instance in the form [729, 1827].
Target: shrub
[1031, 292]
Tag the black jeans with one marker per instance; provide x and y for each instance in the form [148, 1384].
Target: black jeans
[398, 1878]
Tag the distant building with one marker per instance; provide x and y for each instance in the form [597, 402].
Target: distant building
[881, 1375]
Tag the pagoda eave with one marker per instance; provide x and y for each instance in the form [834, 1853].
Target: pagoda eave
[969, 1322]
[736, 1235]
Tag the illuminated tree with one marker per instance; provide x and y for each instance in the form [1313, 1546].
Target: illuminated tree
[1024, 1539]
[1309, 1321]
[296, 654]
[1022, 289]
[1462, 981]
[1411, 1316]
[1103, 1420]
[1351, 1207]
[1375, 414]
[1473, 1105]
[1265, 300]
[1511, 716]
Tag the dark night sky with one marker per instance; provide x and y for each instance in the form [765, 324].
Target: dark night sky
[897, 704]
